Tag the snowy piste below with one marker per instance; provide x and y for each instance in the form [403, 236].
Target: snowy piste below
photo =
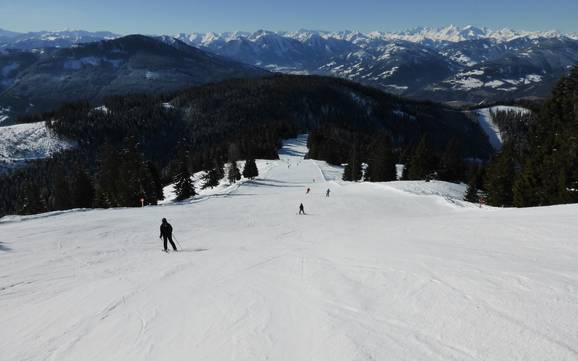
[388, 271]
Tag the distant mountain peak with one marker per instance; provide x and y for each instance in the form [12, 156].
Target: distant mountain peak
[7, 33]
[449, 34]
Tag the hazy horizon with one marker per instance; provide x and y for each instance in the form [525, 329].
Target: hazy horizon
[180, 16]
[401, 30]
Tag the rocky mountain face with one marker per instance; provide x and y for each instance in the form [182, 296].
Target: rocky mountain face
[450, 64]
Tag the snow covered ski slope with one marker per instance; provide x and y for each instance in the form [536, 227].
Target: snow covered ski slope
[373, 272]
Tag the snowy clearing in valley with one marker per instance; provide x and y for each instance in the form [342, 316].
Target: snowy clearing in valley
[375, 271]
[3, 114]
[486, 121]
[22, 142]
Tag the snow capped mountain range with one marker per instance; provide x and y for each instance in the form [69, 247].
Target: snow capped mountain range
[448, 64]
[426, 35]
[456, 34]
[50, 39]
[464, 64]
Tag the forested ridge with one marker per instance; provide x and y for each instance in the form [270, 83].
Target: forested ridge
[133, 145]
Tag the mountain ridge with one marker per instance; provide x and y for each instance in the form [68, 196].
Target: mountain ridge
[449, 33]
[132, 64]
[451, 64]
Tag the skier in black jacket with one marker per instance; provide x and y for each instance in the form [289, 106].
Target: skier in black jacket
[167, 234]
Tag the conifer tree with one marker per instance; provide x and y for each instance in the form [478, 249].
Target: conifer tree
[422, 162]
[526, 190]
[250, 170]
[184, 187]
[82, 190]
[124, 178]
[108, 178]
[500, 177]
[405, 159]
[156, 178]
[472, 192]
[234, 172]
[135, 181]
[220, 168]
[129, 190]
[381, 166]
[353, 170]
[30, 201]
[451, 167]
[475, 184]
[61, 194]
[214, 175]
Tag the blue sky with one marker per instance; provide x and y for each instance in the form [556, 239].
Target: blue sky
[172, 16]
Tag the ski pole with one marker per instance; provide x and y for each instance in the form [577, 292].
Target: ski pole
[175, 238]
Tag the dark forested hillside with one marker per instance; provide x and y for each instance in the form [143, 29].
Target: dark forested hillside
[134, 144]
[41, 81]
[514, 126]
[310, 102]
[544, 170]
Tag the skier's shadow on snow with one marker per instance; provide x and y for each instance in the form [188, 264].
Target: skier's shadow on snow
[196, 250]
[3, 248]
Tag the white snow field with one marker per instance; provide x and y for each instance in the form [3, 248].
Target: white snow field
[373, 272]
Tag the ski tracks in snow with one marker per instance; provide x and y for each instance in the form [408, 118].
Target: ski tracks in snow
[370, 272]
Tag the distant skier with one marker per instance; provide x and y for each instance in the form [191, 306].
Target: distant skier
[308, 190]
[167, 234]
[301, 209]
[327, 193]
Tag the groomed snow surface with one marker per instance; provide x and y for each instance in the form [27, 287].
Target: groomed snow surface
[374, 272]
